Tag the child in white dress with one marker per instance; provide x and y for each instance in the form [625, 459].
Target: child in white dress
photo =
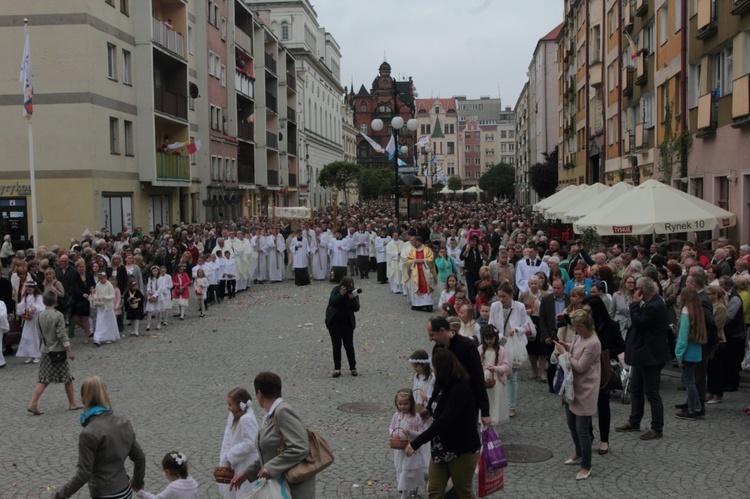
[28, 308]
[238, 447]
[165, 280]
[422, 386]
[181, 484]
[201, 288]
[496, 367]
[154, 298]
[106, 322]
[406, 424]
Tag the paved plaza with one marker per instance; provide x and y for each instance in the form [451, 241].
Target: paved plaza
[172, 386]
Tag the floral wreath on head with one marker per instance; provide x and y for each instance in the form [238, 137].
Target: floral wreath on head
[420, 361]
[179, 458]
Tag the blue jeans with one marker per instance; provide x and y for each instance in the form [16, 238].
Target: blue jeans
[688, 379]
[512, 389]
[579, 430]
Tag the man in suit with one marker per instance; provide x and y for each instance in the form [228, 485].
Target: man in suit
[439, 331]
[646, 351]
[551, 307]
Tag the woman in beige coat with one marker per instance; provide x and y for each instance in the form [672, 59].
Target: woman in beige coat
[281, 427]
[584, 354]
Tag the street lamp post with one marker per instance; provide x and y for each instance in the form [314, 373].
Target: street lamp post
[397, 123]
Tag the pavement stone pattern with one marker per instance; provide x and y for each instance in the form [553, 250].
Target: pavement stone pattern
[172, 385]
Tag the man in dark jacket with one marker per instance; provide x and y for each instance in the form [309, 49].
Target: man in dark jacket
[551, 306]
[734, 330]
[646, 351]
[439, 331]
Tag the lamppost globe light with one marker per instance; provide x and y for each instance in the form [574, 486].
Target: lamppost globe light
[377, 124]
[404, 150]
[412, 124]
[397, 123]
[427, 149]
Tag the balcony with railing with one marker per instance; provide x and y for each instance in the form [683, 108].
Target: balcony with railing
[272, 140]
[291, 81]
[270, 62]
[246, 173]
[641, 7]
[739, 7]
[244, 84]
[628, 77]
[741, 101]
[167, 38]
[707, 21]
[642, 137]
[628, 142]
[172, 167]
[170, 103]
[291, 115]
[641, 70]
[291, 147]
[273, 177]
[243, 40]
[271, 103]
[708, 115]
[246, 131]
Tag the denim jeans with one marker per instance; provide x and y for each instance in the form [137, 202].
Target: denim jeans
[579, 430]
[512, 387]
[688, 379]
[645, 382]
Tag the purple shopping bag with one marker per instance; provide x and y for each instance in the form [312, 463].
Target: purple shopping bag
[494, 454]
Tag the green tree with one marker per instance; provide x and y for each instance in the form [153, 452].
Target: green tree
[455, 184]
[499, 180]
[543, 176]
[340, 176]
[375, 183]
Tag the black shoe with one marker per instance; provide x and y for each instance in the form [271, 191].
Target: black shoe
[336, 374]
[690, 416]
[681, 406]
[354, 372]
[701, 414]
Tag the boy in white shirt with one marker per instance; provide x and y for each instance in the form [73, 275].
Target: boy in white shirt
[229, 277]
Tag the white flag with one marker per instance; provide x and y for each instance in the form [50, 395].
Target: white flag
[391, 147]
[423, 141]
[25, 78]
[374, 144]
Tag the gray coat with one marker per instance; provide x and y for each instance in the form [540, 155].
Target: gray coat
[51, 327]
[103, 445]
[268, 443]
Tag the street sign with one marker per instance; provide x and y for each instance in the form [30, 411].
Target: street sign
[407, 169]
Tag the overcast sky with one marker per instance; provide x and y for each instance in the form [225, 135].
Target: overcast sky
[449, 47]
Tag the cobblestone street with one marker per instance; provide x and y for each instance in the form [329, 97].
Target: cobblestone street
[172, 386]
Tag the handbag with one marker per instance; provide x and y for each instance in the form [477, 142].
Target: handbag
[318, 458]
[58, 356]
[492, 448]
[271, 488]
[487, 481]
[223, 474]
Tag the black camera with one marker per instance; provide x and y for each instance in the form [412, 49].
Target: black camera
[563, 321]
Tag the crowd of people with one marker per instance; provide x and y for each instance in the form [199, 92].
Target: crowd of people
[505, 293]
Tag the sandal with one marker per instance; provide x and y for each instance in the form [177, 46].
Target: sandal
[35, 411]
[75, 407]
[336, 374]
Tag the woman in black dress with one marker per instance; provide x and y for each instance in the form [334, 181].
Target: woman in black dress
[82, 285]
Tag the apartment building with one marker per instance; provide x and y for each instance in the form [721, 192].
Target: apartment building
[523, 147]
[439, 159]
[319, 92]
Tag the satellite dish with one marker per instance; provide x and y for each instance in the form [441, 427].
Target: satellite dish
[194, 92]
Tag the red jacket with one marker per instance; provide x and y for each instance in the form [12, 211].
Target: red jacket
[181, 285]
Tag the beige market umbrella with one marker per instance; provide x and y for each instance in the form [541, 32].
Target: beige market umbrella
[655, 208]
[592, 204]
[549, 201]
[556, 211]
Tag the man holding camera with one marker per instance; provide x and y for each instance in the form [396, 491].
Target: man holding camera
[340, 321]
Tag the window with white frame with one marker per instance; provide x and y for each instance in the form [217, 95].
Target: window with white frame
[111, 62]
[477, 161]
[217, 16]
[223, 28]
[190, 39]
[648, 38]
[217, 66]
[722, 72]
[694, 84]
[451, 168]
[117, 212]
[114, 135]
[127, 63]
[223, 75]
[129, 142]
[663, 23]
[647, 110]
[227, 169]
[211, 63]
[284, 30]
[363, 128]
